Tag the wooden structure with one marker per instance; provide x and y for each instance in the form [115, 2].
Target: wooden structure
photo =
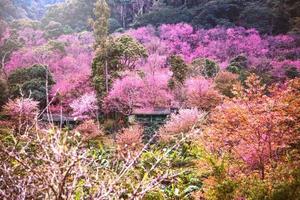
[60, 120]
[150, 119]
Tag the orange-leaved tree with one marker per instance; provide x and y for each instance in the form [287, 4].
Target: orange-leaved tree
[256, 126]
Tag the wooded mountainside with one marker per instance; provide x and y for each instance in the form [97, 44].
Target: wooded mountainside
[267, 16]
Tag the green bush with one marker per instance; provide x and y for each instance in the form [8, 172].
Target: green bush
[239, 65]
[292, 72]
[288, 189]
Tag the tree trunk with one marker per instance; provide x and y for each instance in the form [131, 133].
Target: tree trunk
[106, 76]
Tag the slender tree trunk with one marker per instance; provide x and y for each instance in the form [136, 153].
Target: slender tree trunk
[106, 76]
[123, 16]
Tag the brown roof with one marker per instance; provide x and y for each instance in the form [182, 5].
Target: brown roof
[151, 111]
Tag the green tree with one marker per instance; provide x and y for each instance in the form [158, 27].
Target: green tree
[130, 50]
[101, 23]
[203, 67]
[112, 54]
[3, 92]
[31, 82]
[239, 65]
[120, 53]
[100, 63]
[74, 14]
[179, 69]
[163, 15]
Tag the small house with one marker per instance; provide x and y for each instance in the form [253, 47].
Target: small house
[60, 120]
[150, 119]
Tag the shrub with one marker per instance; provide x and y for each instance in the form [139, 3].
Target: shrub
[129, 140]
[224, 83]
[238, 64]
[30, 82]
[89, 130]
[22, 112]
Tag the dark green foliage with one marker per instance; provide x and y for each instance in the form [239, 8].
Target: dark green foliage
[225, 13]
[100, 24]
[164, 15]
[106, 68]
[203, 67]
[210, 69]
[179, 69]
[272, 17]
[288, 190]
[258, 17]
[130, 50]
[3, 92]
[8, 46]
[30, 82]
[292, 72]
[239, 65]
[104, 54]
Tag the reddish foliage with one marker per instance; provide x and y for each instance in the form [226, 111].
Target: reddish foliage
[254, 127]
[89, 130]
[129, 140]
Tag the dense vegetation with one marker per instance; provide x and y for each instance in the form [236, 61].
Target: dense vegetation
[74, 73]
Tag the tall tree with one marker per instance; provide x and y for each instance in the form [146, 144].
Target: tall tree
[179, 69]
[100, 63]
[100, 24]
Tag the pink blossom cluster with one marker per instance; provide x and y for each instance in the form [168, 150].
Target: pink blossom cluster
[85, 107]
[133, 91]
[180, 124]
[218, 44]
[69, 58]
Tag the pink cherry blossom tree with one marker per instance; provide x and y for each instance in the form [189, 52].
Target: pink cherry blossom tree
[85, 107]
